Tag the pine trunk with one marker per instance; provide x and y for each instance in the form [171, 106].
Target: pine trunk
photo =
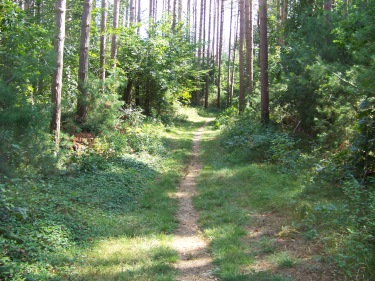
[84, 61]
[60, 12]
[229, 52]
[242, 103]
[103, 42]
[114, 36]
[249, 44]
[208, 59]
[220, 53]
[263, 56]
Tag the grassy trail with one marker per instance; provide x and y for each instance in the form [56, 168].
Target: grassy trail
[145, 250]
[115, 218]
[246, 214]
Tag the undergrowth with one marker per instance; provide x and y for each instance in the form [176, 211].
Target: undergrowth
[331, 202]
[105, 214]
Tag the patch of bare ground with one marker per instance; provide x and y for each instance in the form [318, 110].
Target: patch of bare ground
[195, 262]
[281, 249]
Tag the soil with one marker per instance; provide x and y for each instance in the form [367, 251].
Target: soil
[195, 262]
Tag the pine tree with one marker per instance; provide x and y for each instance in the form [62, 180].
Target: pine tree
[84, 61]
[263, 56]
[60, 9]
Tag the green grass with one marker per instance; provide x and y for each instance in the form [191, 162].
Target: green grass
[107, 218]
[232, 195]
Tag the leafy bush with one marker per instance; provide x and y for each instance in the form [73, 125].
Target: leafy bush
[248, 139]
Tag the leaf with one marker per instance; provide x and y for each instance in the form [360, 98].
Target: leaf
[20, 212]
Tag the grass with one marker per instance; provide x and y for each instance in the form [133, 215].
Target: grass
[108, 219]
[236, 201]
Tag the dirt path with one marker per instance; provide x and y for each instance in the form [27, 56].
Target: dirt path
[195, 262]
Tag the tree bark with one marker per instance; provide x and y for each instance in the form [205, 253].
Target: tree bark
[234, 60]
[263, 56]
[103, 42]
[220, 53]
[249, 44]
[242, 103]
[139, 17]
[114, 36]
[229, 52]
[180, 10]
[128, 93]
[208, 59]
[217, 31]
[174, 14]
[131, 16]
[84, 61]
[60, 13]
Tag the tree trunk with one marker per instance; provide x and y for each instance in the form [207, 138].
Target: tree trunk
[217, 31]
[139, 17]
[128, 93]
[155, 13]
[220, 53]
[229, 52]
[114, 36]
[242, 103]
[169, 7]
[84, 61]
[263, 56]
[60, 9]
[131, 16]
[234, 60]
[103, 42]
[180, 10]
[208, 59]
[249, 44]
[174, 14]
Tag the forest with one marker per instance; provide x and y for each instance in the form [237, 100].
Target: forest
[252, 120]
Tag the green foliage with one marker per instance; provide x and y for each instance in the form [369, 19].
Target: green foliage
[249, 140]
[161, 67]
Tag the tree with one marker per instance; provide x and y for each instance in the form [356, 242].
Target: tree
[208, 58]
[103, 41]
[263, 56]
[84, 61]
[241, 56]
[60, 8]
[249, 43]
[220, 49]
[229, 52]
[115, 27]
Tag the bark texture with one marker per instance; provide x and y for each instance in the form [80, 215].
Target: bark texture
[60, 13]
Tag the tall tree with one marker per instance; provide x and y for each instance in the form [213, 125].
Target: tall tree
[234, 60]
[249, 44]
[263, 56]
[220, 49]
[229, 52]
[84, 61]
[241, 55]
[139, 17]
[132, 12]
[60, 9]
[180, 10]
[208, 57]
[116, 9]
[103, 37]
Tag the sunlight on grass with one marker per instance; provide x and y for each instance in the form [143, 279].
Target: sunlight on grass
[233, 198]
[136, 244]
[139, 258]
[282, 260]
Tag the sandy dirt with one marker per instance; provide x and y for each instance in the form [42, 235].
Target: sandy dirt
[195, 262]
